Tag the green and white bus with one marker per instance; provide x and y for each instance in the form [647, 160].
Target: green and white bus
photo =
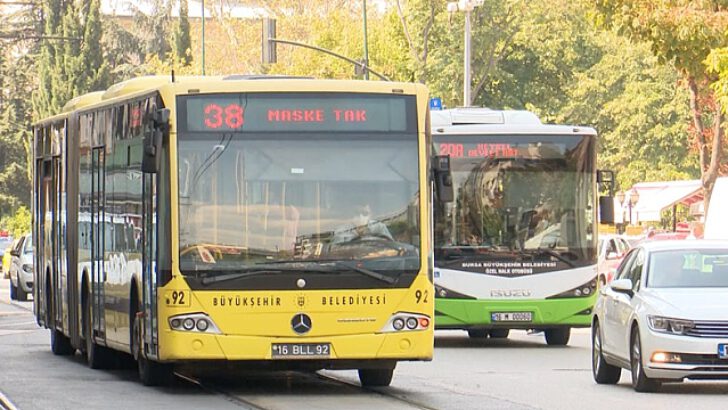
[517, 248]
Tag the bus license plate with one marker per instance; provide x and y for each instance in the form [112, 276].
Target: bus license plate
[511, 316]
[300, 350]
[723, 351]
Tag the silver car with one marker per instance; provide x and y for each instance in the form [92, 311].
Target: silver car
[21, 269]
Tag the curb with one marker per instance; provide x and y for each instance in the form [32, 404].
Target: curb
[5, 403]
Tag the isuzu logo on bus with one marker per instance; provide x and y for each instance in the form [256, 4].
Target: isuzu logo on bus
[301, 323]
[510, 293]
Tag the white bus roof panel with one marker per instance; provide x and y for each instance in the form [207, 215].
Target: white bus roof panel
[486, 121]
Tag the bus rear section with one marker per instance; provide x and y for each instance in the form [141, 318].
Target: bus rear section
[516, 249]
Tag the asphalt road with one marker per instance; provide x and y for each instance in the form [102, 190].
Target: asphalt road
[518, 373]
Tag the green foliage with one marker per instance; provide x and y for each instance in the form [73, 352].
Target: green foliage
[182, 41]
[18, 224]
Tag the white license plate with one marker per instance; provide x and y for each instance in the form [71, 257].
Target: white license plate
[300, 350]
[723, 351]
[511, 316]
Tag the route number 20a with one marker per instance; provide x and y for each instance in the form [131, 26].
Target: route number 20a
[421, 297]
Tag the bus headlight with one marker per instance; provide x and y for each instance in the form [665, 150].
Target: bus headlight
[194, 322]
[405, 321]
[582, 291]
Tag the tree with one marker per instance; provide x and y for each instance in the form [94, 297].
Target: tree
[682, 34]
[182, 41]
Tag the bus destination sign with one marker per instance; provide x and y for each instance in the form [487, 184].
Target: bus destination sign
[299, 112]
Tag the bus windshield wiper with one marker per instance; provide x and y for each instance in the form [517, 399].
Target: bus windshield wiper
[549, 252]
[258, 270]
[337, 264]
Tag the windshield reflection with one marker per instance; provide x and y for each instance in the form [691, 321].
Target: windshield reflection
[253, 201]
[529, 199]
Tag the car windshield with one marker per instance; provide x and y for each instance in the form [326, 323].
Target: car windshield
[691, 268]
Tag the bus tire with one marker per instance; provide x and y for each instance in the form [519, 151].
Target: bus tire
[97, 357]
[375, 377]
[151, 373]
[61, 344]
[478, 333]
[558, 337]
[499, 333]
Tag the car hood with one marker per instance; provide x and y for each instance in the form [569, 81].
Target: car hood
[689, 303]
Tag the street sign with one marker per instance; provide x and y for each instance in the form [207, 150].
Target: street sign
[435, 103]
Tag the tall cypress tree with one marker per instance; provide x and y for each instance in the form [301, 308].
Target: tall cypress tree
[71, 58]
[182, 42]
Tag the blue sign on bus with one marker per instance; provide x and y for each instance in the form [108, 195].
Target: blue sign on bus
[435, 103]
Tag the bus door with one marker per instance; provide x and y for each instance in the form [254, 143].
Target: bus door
[149, 270]
[98, 228]
[42, 238]
[56, 237]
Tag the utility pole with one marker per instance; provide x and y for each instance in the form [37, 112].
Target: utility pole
[366, 46]
[467, 6]
[203, 37]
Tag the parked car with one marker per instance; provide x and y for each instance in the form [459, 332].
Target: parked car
[21, 269]
[612, 249]
[664, 315]
[6, 242]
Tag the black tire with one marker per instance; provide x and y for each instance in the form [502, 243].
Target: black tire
[603, 372]
[21, 295]
[97, 357]
[640, 382]
[61, 344]
[499, 333]
[151, 373]
[13, 291]
[478, 333]
[375, 377]
[558, 337]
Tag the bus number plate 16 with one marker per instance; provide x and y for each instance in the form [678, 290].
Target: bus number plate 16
[300, 350]
[511, 316]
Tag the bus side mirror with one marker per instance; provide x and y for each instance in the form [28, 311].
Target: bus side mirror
[605, 181]
[443, 178]
[153, 141]
[606, 210]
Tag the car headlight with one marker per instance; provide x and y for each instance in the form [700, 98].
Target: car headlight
[669, 325]
[28, 268]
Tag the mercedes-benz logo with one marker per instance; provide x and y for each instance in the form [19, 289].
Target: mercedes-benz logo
[301, 323]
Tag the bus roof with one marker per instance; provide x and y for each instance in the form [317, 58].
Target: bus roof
[478, 120]
[226, 83]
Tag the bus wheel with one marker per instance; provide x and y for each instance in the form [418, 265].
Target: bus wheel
[558, 337]
[97, 357]
[151, 373]
[375, 377]
[499, 333]
[478, 333]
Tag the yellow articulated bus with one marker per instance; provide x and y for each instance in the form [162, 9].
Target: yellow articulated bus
[251, 220]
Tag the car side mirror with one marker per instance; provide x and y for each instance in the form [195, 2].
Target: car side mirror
[14, 253]
[622, 286]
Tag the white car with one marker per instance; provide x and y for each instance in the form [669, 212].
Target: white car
[664, 317]
[612, 249]
[21, 269]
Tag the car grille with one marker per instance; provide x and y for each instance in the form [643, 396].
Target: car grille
[705, 360]
[709, 329]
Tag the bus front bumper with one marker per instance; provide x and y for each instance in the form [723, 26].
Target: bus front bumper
[544, 314]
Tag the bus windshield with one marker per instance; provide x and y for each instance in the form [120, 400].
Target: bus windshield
[523, 204]
[272, 199]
